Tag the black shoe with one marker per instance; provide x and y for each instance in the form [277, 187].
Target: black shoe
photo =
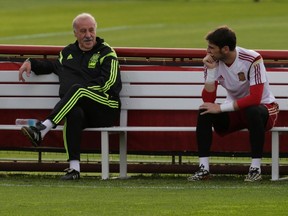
[254, 174]
[71, 174]
[33, 133]
[201, 174]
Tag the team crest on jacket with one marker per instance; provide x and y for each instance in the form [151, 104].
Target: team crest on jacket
[93, 60]
[241, 76]
[70, 57]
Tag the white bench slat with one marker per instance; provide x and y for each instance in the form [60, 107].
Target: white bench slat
[185, 76]
[127, 90]
[141, 77]
[127, 103]
[161, 90]
[280, 90]
[12, 76]
[28, 103]
[29, 90]
[161, 103]
[183, 90]
[192, 90]
[162, 76]
[283, 104]
[127, 77]
[277, 77]
[174, 103]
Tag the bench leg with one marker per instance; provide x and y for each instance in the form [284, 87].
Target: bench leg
[105, 154]
[275, 156]
[123, 154]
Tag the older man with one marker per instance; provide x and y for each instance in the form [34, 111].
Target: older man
[90, 84]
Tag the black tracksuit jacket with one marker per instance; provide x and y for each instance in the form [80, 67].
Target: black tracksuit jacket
[96, 70]
[93, 69]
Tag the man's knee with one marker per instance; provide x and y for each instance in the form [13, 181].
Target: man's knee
[255, 112]
[76, 114]
[256, 116]
[205, 117]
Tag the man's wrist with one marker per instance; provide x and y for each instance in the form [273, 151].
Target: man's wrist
[211, 75]
[227, 107]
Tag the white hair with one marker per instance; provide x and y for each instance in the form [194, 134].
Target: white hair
[82, 16]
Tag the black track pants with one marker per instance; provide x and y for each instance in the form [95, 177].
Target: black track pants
[82, 108]
[253, 118]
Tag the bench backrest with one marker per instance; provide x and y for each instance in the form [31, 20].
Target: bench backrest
[142, 90]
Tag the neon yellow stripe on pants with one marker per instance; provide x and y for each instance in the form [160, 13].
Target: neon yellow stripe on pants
[82, 92]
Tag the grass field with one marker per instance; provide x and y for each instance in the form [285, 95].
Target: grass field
[140, 195]
[140, 23]
[147, 23]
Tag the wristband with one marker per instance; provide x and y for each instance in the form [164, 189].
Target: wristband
[211, 75]
[227, 107]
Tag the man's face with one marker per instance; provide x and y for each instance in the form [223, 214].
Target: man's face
[85, 32]
[216, 52]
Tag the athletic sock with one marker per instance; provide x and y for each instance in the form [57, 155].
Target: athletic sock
[204, 161]
[75, 164]
[256, 162]
[49, 125]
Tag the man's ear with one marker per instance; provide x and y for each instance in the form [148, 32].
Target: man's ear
[225, 49]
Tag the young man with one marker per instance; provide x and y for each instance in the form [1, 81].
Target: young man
[90, 84]
[249, 103]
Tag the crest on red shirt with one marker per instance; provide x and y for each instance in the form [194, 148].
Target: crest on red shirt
[241, 76]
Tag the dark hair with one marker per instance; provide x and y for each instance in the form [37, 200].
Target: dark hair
[222, 36]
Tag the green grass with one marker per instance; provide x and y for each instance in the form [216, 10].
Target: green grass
[147, 23]
[141, 195]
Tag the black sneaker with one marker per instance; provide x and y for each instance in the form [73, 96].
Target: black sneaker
[201, 174]
[254, 174]
[71, 174]
[33, 133]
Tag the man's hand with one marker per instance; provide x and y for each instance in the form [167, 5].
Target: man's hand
[26, 67]
[210, 108]
[209, 62]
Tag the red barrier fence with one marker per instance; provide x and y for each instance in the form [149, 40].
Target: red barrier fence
[133, 52]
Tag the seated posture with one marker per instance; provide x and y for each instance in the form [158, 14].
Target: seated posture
[90, 84]
[249, 103]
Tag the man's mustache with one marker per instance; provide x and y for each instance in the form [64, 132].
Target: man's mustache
[87, 39]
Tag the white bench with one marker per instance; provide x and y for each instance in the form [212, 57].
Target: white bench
[142, 90]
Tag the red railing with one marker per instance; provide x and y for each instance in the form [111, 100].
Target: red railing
[22, 50]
